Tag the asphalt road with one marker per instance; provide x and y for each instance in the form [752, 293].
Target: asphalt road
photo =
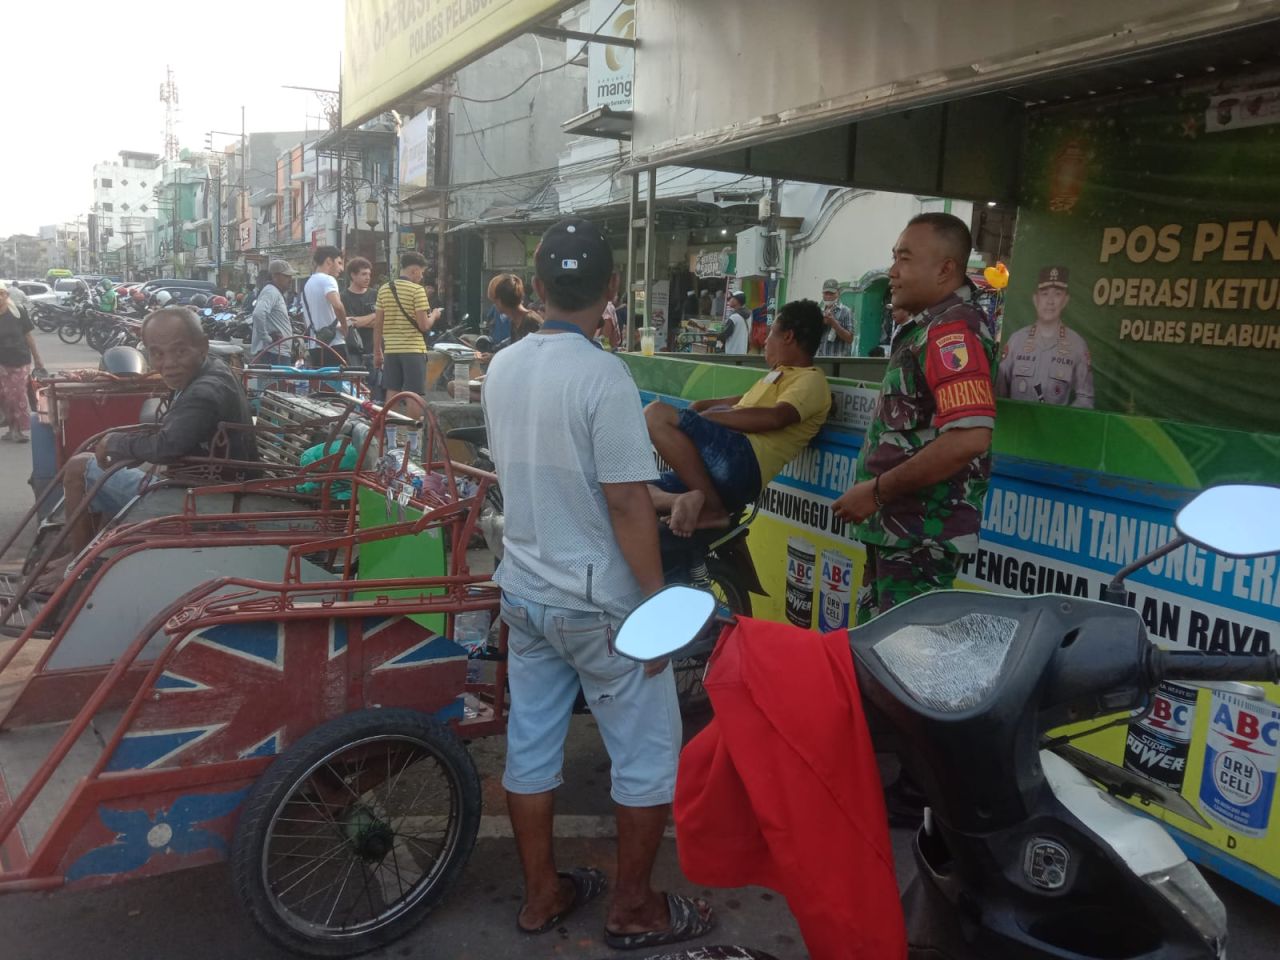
[194, 915]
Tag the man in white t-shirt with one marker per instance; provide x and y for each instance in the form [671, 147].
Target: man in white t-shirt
[322, 308]
[736, 331]
[572, 452]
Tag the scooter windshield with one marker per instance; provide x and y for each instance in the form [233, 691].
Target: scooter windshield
[949, 667]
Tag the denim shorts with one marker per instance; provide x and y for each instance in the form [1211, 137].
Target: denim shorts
[121, 487]
[551, 650]
[728, 457]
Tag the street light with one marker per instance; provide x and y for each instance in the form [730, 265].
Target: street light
[371, 213]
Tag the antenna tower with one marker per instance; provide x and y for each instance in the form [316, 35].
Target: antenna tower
[169, 97]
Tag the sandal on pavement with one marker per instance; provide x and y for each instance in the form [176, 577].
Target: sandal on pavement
[588, 883]
[690, 919]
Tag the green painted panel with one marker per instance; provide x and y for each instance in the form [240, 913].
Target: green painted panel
[420, 556]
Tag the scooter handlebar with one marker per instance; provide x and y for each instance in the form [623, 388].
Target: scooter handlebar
[1194, 665]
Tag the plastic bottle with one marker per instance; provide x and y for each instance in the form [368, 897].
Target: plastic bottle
[462, 382]
[471, 631]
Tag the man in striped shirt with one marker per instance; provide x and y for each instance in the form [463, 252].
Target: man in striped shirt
[402, 315]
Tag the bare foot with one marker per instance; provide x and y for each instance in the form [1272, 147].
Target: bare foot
[685, 511]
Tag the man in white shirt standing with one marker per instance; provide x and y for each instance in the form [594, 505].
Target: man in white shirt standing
[322, 307]
[736, 332]
[572, 452]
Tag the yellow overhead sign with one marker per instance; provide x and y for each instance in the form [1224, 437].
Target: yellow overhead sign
[395, 46]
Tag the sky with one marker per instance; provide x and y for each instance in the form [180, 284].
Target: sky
[82, 82]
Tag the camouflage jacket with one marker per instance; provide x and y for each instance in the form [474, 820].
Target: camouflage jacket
[939, 377]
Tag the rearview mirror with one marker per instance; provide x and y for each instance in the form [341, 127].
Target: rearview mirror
[1235, 520]
[670, 619]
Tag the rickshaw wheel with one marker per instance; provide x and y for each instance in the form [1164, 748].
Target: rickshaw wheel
[359, 829]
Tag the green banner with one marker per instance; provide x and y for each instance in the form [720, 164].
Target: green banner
[1144, 275]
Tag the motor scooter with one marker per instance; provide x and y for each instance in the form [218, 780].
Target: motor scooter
[1022, 854]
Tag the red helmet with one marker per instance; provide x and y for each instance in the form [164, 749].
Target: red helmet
[137, 294]
[121, 290]
[219, 303]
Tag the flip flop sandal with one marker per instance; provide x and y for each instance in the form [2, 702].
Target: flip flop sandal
[687, 923]
[588, 883]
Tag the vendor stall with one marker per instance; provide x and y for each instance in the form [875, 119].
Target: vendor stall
[1139, 148]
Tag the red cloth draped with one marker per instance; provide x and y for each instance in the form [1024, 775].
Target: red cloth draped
[782, 790]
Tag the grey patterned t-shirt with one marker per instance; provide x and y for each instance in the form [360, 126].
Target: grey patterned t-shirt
[564, 417]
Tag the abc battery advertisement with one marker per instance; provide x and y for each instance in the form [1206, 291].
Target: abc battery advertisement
[1050, 528]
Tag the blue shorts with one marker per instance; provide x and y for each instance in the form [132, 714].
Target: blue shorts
[121, 487]
[550, 651]
[728, 457]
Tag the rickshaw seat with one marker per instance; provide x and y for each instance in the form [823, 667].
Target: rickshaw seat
[167, 501]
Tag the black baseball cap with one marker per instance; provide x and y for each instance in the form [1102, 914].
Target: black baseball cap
[574, 253]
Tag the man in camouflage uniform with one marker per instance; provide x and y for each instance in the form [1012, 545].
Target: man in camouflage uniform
[1047, 361]
[925, 463]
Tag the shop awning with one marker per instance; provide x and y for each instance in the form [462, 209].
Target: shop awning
[931, 108]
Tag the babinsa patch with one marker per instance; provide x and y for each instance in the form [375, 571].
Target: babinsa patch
[953, 350]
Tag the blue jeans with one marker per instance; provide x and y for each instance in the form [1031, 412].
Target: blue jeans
[121, 487]
[551, 650]
[728, 457]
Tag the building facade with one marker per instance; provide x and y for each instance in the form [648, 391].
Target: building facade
[123, 205]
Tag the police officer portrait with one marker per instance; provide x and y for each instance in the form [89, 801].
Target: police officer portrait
[1047, 361]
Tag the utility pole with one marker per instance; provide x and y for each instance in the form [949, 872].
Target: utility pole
[240, 206]
[216, 184]
[773, 252]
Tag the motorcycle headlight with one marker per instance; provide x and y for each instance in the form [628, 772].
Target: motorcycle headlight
[1186, 891]
[949, 667]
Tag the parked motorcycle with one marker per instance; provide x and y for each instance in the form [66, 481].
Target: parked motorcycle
[717, 561]
[1020, 854]
[447, 349]
[47, 316]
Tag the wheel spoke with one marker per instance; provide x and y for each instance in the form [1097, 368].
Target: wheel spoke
[394, 820]
[351, 863]
[327, 857]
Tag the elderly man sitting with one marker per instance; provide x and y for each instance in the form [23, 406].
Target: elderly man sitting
[206, 394]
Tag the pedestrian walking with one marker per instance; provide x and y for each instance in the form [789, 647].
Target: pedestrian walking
[581, 551]
[17, 351]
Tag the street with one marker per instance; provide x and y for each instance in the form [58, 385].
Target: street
[195, 915]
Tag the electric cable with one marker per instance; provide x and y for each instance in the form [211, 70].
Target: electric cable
[540, 73]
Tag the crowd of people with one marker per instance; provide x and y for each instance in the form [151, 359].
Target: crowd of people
[574, 451]
[583, 499]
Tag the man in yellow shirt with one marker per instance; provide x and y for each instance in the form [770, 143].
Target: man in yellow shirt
[402, 314]
[723, 452]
